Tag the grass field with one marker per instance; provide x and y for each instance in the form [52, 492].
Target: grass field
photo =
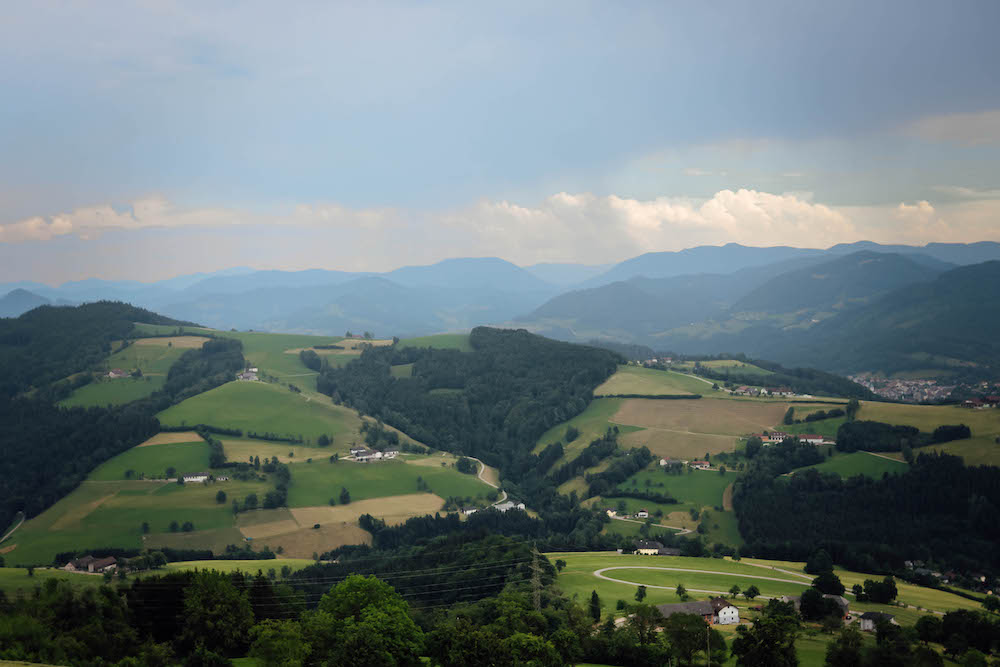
[105, 391]
[251, 566]
[651, 382]
[262, 407]
[824, 427]
[860, 463]
[695, 490]
[15, 581]
[592, 423]
[402, 370]
[578, 578]
[440, 341]
[153, 356]
[315, 483]
[152, 462]
[242, 449]
[727, 364]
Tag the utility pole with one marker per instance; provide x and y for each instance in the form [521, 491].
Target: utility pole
[708, 644]
[536, 579]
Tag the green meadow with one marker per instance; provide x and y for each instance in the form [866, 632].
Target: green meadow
[402, 371]
[694, 490]
[14, 581]
[105, 391]
[315, 483]
[650, 382]
[860, 463]
[440, 341]
[102, 514]
[263, 407]
[248, 566]
[152, 462]
[592, 424]
[150, 359]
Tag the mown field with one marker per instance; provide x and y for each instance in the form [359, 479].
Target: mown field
[251, 566]
[720, 575]
[440, 341]
[105, 391]
[263, 407]
[315, 483]
[860, 463]
[727, 364]
[650, 382]
[592, 423]
[152, 461]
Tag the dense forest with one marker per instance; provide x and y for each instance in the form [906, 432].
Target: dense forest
[939, 510]
[492, 403]
[49, 450]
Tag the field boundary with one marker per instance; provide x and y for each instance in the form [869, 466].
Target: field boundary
[11, 531]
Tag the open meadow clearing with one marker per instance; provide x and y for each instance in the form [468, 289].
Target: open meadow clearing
[315, 483]
[860, 463]
[773, 578]
[267, 408]
[102, 514]
[14, 581]
[244, 449]
[592, 424]
[650, 382]
[249, 566]
[722, 365]
[106, 391]
[402, 371]
[456, 341]
[694, 489]
[982, 450]
[153, 462]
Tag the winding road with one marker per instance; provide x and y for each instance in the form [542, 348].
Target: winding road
[600, 575]
[680, 531]
[482, 469]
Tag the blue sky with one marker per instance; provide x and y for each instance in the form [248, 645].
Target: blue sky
[534, 131]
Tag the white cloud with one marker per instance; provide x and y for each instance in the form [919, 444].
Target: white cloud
[967, 193]
[964, 129]
[581, 227]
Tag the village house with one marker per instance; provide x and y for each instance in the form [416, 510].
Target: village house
[870, 619]
[509, 505]
[367, 456]
[714, 611]
[642, 514]
[648, 547]
[612, 513]
[390, 453]
[358, 450]
[117, 373]
[247, 376]
[842, 602]
[90, 564]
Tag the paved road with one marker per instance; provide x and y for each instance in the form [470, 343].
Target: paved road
[680, 531]
[482, 469]
[600, 575]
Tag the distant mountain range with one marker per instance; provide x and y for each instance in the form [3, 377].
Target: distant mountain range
[771, 302]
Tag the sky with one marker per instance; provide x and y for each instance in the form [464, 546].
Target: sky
[145, 140]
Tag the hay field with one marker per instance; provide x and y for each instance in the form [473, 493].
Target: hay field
[315, 483]
[860, 463]
[105, 391]
[242, 449]
[458, 342]
[169, 438]
[183, 342]
[152, 462]
[262, 407]
[651, 382]
[392, 509]
[227, 566]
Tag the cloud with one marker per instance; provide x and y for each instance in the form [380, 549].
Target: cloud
[965, 129]
[962, 192]
[570, 227]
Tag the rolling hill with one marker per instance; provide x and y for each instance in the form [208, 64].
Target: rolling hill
[19, 301]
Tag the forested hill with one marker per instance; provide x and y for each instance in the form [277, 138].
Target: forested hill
[53, 342]
[493, 403]
[48, 450]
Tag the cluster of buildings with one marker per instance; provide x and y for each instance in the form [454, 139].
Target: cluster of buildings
[249, 375]
[716, 611]
[980, 403]
[911, 391]
[774, 437]
[744, 390]
[365, 455]
[118, 373]
[654, 548]
[500, 507]
[697, 465]
[92, 565]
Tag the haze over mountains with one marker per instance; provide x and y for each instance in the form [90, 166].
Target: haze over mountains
[773, 302]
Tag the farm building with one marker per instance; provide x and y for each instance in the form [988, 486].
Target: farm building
[90, 564]
[700, 465]
[195, 478]
[469, 510]
[117, 373]
[367, 455]
[247, 376]
[390, 453]
[714, 611]
[842, 602]
[642, 514]
[509, 505]
[811, 438]
[647, 547]
[358, 450]
[870, 619]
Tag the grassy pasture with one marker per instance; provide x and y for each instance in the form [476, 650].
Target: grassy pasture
[824, 427]
[458, 342]
[592, 423]
[578, 578]
[152, 461]
[101, 514]
[262, 407]
[651, 382]
[151, 359]
[242, 449]
[860, 463]
[105, 391]
[250, 566]
[402, 370]
[15, 581]
[315, 483]
[982, 450]
[695, 490]
[928, 417]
